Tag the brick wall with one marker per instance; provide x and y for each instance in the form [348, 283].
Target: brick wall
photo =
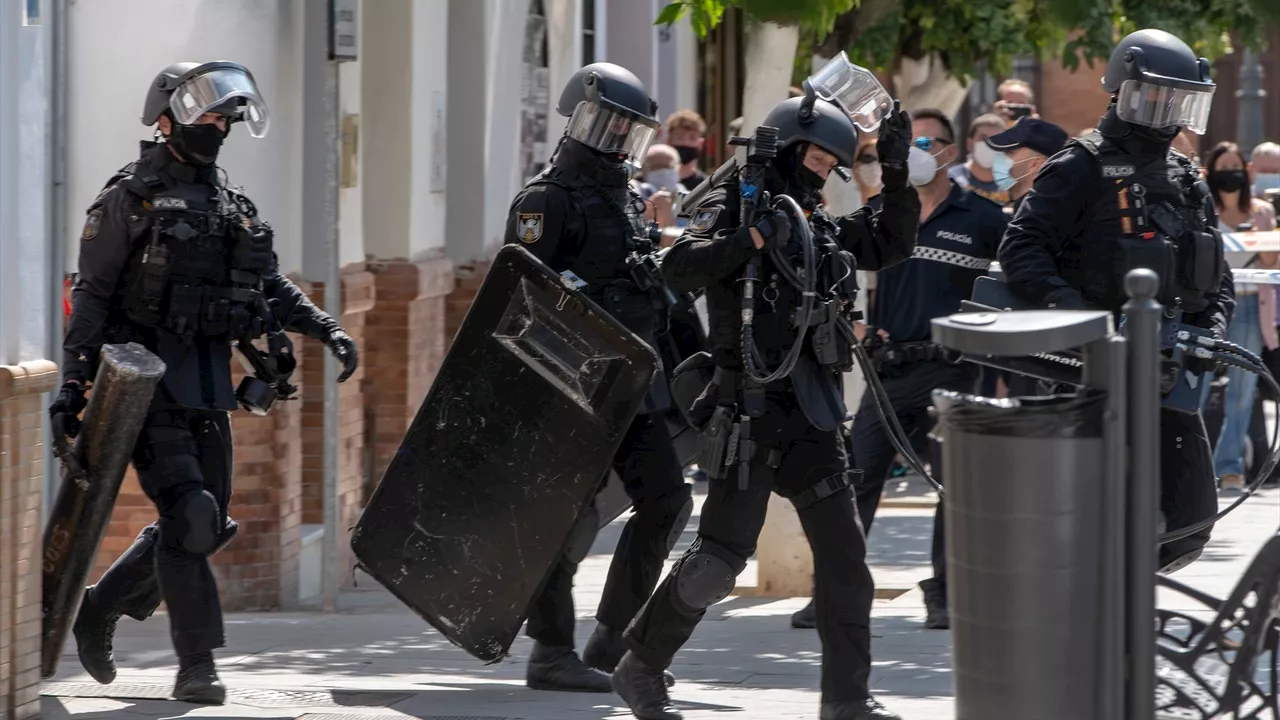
[469, 280]
[357, 301]
[21, 518]
[403, 348]
[1072, 100]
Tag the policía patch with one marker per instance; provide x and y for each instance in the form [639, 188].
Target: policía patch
[703, 220]
[529, 227]
[168, 203]
[91, 225]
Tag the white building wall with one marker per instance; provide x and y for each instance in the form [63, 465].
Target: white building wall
[428, 122]
[108, 82]
[24, 180]
[350, 201]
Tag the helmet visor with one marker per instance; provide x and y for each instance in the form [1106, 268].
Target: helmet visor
[228, 91]
[855, 89]
[1160, 106]
[613, 131]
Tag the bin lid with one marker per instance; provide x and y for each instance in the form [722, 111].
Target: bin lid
[1021, 332]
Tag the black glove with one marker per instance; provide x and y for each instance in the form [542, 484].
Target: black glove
[64, 413]
[893, 146]
[1066, 298]
[1208, 367]
[343, 348]
[775, 227]
[252, 249]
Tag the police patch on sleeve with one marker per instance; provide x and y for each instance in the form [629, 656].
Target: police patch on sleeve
[529, 227]
[703, 220]
[91, 224]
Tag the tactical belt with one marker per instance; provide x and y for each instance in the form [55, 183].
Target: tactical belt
[824, 488]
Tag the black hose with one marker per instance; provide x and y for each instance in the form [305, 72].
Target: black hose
[751, 359]
[889, 418]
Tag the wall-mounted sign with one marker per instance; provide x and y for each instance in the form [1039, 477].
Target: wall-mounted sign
[344, 30]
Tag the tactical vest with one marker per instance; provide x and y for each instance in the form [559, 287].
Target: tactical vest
[179, 277]
[1154, 214]
[613, 229]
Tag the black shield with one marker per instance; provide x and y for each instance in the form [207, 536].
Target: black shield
[509, 447]
[92, 472]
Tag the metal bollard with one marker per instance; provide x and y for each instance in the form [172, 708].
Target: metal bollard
[122, 391]
[1030, 483]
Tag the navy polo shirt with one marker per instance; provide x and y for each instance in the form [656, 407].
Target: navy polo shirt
[954, 247]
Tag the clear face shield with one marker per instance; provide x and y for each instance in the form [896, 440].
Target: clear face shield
[855, 89]
[214, 90]
[613, 132]
[1159, 106]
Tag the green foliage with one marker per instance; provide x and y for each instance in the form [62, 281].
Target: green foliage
[970, 34]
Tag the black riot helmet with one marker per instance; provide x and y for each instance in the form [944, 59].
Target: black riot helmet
[1158, 82]
[188, 90]
[815, 121]
[610, 111]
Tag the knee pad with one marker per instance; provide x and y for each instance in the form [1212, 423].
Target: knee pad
[582, 536]
[193, 524]
[229, 530]
[706, 575]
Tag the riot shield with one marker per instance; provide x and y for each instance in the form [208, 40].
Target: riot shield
[92, 472]
[509, 447]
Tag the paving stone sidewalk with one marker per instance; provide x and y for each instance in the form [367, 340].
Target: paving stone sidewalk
[376, 660]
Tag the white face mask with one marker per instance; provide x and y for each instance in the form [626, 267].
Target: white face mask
[663, 178]
[922, 167]
[869, 175]
[1263, 182]
[983, 155]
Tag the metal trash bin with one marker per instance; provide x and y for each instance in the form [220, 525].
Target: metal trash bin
[1025, 493]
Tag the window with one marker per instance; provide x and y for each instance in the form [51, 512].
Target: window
[588, 31]
[31, 12]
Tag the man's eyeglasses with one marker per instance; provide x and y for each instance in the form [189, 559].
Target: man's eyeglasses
[926, 143]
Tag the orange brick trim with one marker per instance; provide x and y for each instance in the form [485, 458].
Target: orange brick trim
[21, 498]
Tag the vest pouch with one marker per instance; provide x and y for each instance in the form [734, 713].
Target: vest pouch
[216, 319]
[185, 305]
[632, 308]
[1154, 254]
[693, 390]
[1202, 264]
[145, 296]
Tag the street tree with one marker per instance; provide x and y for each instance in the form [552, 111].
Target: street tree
[931, 49]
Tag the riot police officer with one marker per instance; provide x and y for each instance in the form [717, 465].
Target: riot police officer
[174, 259]
[581, 218]
[1120, 198]
[789, 428]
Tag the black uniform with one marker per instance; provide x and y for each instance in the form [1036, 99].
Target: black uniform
[579, 215]
[955, 246]
[155, 269]
[1067, 245]
[793, 458]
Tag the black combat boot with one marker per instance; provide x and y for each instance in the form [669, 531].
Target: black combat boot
[867, 709]
[198, 681]
[606, 647]
[643, 689]
[95, 628]
[806, 618]
[560, 668]
[937, 617]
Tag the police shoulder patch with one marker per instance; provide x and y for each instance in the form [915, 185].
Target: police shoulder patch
[529, 227]
[91, 225]
[703, 220]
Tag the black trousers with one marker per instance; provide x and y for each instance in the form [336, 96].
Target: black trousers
[730, 526]
[1187, 490]
[183, 458]
[654, 480]
[910, 390]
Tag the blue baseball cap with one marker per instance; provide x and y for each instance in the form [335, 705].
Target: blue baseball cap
[1039, 135]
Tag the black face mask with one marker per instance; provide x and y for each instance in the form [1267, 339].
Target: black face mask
[1228, 180]
[197, 144]
[1156, 134]
[688, 154]
[802, 183]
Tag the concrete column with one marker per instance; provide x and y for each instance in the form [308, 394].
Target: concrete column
[564, 56]
[387, 124]
[466, 128]
[505, 71]
[633, 39]
[1251, 100]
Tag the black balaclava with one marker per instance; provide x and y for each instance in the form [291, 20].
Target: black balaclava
[197, 144]
[799, 181]
[609, 169]
[1134, 139]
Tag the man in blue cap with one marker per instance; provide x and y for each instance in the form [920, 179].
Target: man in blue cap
[1020, 151]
